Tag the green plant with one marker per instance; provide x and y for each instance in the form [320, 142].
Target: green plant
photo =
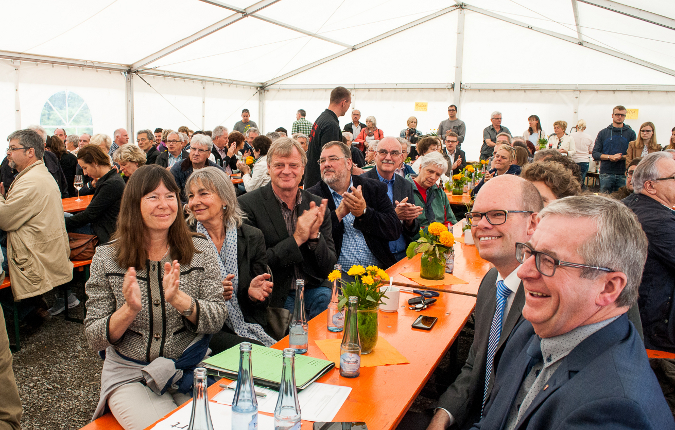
[436, 240]
[366, 286]
[542, 142]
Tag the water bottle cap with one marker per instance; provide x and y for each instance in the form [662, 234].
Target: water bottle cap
[245, 346]
[353, 299]
[289, 352]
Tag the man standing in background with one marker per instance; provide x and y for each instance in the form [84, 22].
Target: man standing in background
[453, 124]
[301, 125]
[245, 123]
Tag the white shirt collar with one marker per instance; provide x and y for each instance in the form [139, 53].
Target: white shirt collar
[512, 281]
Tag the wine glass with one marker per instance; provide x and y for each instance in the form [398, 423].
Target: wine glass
[78, 183]
[268, 270]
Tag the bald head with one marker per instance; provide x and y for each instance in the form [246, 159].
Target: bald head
[387, 162]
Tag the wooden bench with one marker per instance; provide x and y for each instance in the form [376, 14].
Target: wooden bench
[106, 422]
[15, 310]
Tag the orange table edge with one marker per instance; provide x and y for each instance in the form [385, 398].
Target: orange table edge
[72, 205]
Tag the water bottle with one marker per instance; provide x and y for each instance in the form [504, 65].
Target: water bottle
[287, 411]
[298, 331]
[336, 319]
[350, 349]
[244, 404]
[200, 419]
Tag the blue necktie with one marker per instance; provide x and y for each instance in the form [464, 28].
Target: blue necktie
[495, 333]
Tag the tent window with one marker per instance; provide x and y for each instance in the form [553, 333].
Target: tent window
[69, 111]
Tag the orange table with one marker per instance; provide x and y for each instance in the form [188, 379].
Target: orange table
[72, 205]
[236, 179]
[464, 199]
[468, 266]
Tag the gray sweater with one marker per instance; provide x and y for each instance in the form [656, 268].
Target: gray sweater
[457, 126]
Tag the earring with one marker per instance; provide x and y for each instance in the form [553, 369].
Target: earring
[224, 208]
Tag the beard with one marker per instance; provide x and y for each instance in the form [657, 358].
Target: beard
[335, 179]
[12, 164]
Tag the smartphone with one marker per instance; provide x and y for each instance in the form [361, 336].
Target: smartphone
[424, 322]
[341, 426]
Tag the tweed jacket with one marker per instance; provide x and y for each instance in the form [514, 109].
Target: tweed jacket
[159, 330]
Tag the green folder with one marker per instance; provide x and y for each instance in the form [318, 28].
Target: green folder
[266, 365]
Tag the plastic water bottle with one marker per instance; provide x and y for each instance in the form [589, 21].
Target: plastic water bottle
[200, 419]
[350, 349]
[336, 319]
[287, 411]
[298, 332]
[244, 404]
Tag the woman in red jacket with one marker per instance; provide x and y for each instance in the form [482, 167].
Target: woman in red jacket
[371, 132]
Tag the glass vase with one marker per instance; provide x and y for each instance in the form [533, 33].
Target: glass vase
[457, 191]
[367, 329]
[432, 267]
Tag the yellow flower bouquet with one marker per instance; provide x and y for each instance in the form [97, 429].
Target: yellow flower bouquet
[436, 246]
[250, 160]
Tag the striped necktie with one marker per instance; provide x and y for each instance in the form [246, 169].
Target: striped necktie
[495, 333]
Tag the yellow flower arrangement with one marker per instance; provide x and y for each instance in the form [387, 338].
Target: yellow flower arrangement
[435, 240]
[446, 238]
[250, 160]
[470, 168]
[356, 271]
[436, 228]
[382, 275]
[484, 162]
[457, 177]
[334, 275]
[367, 280]
[366, 286]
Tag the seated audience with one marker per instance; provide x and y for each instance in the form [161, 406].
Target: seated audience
[153, 333]
[502, 158]
[100, 216]
[174, 151]
[66, 159]
[645, 143]
[223, 153]
[424, 147]
[552, 180]
[577, 361]
[104, 141]
[503, 138]
[370, 154]
[363, 218]
[129, 158]
[626, 191]
[256, 176]
[522, 156]
[146, 142]
[370, 133]
[455, 157]
[554, 155]
[214, 212]
[200, 148]
[159, 142]
[404, 169]
[297, 230]
[282, 131]
[430, 196]
[653, 201]
[357, 156]
[561, 141]
[399, 191]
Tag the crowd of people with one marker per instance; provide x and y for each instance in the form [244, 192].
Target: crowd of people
[186, 259]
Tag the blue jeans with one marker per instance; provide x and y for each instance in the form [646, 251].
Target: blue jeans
[584, 169]
[85, 229]
[610, 183]
[316, 300]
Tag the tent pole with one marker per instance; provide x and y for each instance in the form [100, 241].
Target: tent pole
[203, 105]
[17, 100]
[261, 109]
[459, 59]
[575, 117]
[130, 102]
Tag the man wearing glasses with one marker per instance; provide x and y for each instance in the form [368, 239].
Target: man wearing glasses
[490, 135]
[174, 152]
[200, 149]
[453, 124]
[610, 149]
[577, 361]
[504, 213]
[456, 157]
[653, 202]
[146, 141]
[389, 153]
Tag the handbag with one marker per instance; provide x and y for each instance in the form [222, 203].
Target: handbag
[278, 320]
[82, 246]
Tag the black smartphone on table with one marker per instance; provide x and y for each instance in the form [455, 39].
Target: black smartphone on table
[341, 426]
[424, 322]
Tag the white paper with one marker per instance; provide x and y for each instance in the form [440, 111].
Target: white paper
[318, 402]
[221, 417]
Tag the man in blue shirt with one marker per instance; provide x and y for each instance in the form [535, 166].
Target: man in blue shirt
[610, 149]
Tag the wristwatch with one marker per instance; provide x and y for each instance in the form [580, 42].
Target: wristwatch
[187, 312]
[364, 211]
[316, 239]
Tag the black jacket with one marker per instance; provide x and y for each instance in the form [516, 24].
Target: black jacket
[379, 224]
[402, 189]
[228, 161]
[326, 129]
[163, 158]
[7, 174]
[151, 155]
[69, 166]
[458, 153]
[104, 207]
[357, 156]
[263, 211]
[350, 127]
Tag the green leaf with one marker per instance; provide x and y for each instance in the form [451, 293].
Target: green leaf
[423, 248]
[411, 250]
[369, 298]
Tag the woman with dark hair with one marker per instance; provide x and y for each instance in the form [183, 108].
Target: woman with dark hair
[552, 180]
[100, 216]
[534, 132]
[67, 160]
[644, 144]
[258, 176]
[155, 298]
[671, 145]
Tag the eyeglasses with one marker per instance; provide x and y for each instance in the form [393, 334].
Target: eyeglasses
[452, 110]
[10, 149]
[330, 160]
[630, 173]
[546, 264]
[619, 114]
[384, 153]
[494, 217]
[500, 118]
[667, 178]
[173, 141]
[450, 141]
[646, 131]
[143, 140]
[199, 151]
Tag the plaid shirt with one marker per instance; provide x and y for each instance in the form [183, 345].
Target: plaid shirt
[302, 126]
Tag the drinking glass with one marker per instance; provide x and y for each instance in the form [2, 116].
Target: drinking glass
[78, 185]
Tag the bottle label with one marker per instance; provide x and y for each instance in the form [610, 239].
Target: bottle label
[253, 425]
[296, 426]
[339, 319]
[350, 362]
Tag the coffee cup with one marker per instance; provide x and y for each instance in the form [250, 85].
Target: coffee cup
[391, 300]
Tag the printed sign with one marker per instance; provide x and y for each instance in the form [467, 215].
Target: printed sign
[421, 106]
[632, 114]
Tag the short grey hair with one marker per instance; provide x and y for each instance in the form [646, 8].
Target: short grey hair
[435, 158]
[149, 133]
[252, 130]
[404, 142]
[283, 147]
[647, 170]
[347, 135]
[74, 139]
[202, 139]
[118, 132]
[543, 154]
[273, 135]
[219, 131]
[130, 153]
[182, 136]
[101, 138]
[503, 133]
[619, 244]
[39, 130]
[344, 148]
[495, 113]
[29, 138]
[297, 136]
[217, 182]
[372, 119]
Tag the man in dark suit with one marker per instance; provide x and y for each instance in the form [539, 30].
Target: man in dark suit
[296, 227]
[174, 152]
[363, 218]
[400, 192]
[146, 141]
[456, 157]
[577, 362]
[496, 234]
[355, 126]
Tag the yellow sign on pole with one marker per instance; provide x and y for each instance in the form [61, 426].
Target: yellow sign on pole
[421, 106]
[632, 114]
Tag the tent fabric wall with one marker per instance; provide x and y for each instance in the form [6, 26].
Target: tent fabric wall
[7, 107]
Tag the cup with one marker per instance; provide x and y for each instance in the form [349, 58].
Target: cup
[391, 301]
[468, 237]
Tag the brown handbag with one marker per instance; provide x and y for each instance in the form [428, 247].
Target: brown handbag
[82, 246]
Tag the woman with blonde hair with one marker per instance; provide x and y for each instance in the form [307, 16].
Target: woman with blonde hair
[561, 140]
[644, 144]
[411, 134]
[102, 140]
[369, 133]
[583, 143]
[130, 158]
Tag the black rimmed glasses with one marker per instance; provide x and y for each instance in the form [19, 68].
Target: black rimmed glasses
[384, 153]
[331, 160]
[667, 178]
[546, 264]
[12, 149]
[494, 217]
[199, 151]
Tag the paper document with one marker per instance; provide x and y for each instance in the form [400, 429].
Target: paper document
[318, 402]
[221, 417]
